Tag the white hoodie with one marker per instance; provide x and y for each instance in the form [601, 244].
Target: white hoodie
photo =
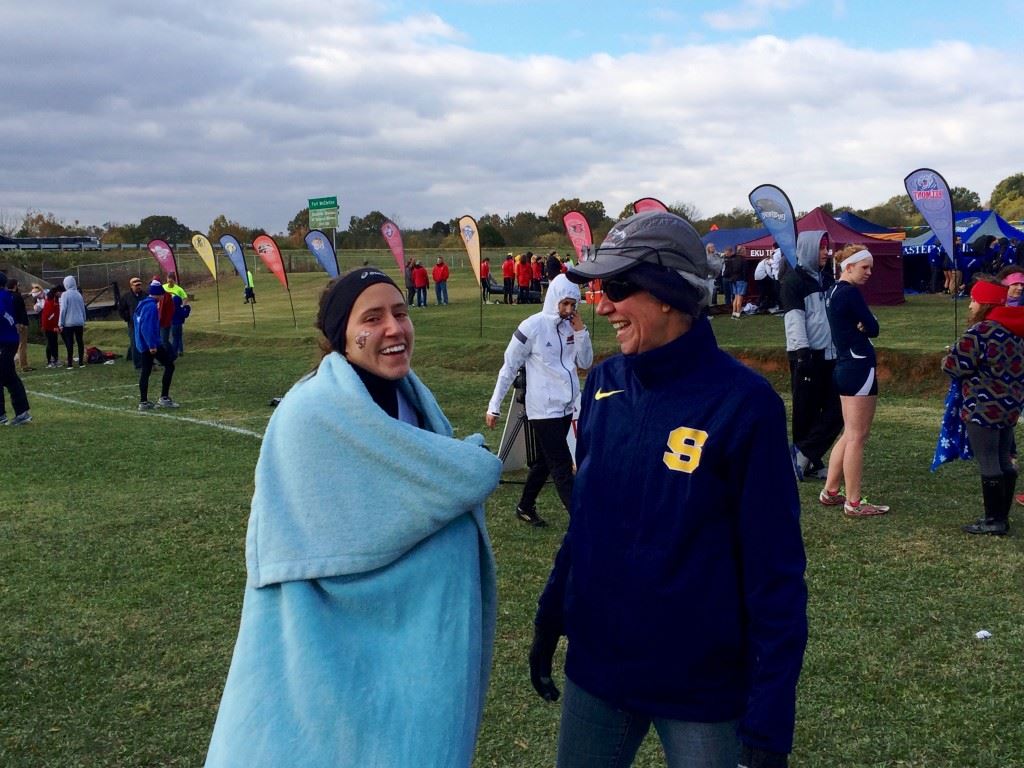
[72, 305]
[551, 351]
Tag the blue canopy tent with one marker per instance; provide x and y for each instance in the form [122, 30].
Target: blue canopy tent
[969, 226]
[859, 224]
[730, 238]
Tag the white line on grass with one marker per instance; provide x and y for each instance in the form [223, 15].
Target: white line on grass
[202, 422]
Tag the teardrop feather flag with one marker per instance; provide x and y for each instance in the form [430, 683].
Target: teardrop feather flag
[164, 255]
[320, 246]
[393, 237]
[266, 248]
[471, 237]
[649, 204]
[775, 211]
[205, 250]
[578, 229]
[233, 250]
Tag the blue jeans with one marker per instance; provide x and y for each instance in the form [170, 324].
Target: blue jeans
[594, 734]
[421, 297]
[441, 291]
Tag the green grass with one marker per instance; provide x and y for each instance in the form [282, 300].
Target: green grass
[122, 543]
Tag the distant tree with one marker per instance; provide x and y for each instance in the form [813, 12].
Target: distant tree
[688, 211]
[222, 225]
[440, 228]
[965, 199]
[737, 218]
[1007, 198]
[897, 211]
[163, 227]
[9, 222]
[523, 228]
[490, 236]
[298, 227]
[38, 224]
[364, 231]
[592, 210]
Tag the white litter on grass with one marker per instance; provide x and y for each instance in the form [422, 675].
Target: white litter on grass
[151, 414]
[983, 634]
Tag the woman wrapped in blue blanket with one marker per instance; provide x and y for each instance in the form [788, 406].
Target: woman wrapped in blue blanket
[368, 618]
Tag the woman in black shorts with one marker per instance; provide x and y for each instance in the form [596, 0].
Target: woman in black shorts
[853, 326]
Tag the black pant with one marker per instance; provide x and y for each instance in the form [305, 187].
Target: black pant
[991, 446]
[71, 335]
[164, 356]
[817, 412]
[9, 379]
[553, 458]
[52, 355]
[507, 286]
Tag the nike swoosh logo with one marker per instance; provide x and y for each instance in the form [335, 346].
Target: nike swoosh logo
[855, 356]
[599, 395]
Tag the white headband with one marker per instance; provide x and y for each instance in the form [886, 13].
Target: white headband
[858, 256]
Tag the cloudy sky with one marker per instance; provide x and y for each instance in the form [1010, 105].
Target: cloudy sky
[115, 109]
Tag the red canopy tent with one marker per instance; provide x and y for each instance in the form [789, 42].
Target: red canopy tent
[886, 284]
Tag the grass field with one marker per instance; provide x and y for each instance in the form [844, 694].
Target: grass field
[122, 542]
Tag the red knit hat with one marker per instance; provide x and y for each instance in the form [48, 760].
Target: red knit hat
[984, 292]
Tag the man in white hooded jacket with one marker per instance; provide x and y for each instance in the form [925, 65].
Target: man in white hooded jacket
[551, 344]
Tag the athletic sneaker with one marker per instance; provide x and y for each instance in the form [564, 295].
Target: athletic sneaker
[21, 418]
[145, 405]
[1019, 498]
[530, 516]
[166, 402]
[3, 418]
[863, 508]
[800, 462]
[830, 499]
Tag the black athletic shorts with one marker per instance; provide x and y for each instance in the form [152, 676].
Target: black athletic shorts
[855, 379]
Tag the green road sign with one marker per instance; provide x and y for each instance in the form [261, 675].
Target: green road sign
[323, 212]
[318, 203]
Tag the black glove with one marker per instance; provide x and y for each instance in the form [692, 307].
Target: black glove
[752, 757]
[542, 651]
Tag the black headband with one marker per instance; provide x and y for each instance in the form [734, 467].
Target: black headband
[337, 305]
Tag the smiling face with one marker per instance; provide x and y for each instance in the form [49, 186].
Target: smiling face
[642, 322]
[379, 336]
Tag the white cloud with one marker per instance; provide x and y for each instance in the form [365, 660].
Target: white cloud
[178, 111]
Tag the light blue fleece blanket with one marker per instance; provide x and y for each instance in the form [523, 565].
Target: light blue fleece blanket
[368, 619]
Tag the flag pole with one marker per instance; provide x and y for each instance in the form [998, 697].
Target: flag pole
[295, 322]
[216, 282]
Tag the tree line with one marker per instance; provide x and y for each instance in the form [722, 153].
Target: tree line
[525, 228]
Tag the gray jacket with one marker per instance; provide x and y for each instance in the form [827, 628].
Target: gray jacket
[72, 305]
[803, 301]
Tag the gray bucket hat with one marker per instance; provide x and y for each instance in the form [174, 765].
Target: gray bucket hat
[652, 237]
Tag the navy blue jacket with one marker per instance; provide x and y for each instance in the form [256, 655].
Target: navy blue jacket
[846, 307]
[679, 583]
[8, 331]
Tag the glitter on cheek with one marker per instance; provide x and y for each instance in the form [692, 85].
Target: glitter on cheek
[361, 339]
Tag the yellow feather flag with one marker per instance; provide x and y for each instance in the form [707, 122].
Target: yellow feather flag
[471, 237]
[205, 251]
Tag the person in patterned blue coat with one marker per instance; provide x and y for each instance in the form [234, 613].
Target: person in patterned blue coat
[988, 361]
[679, 584]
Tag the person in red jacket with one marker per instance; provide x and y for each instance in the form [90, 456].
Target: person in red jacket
[165, 312]
[524, 276]
[421, 282]
[485, 279]
[537, 267]
[440, 273]
[508, 276]
[48, 317]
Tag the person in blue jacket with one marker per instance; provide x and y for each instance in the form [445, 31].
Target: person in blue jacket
[149, 342]
[9, 378]
[680, 582]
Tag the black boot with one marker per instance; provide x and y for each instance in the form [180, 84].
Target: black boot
[993, 493]
[1009, 486]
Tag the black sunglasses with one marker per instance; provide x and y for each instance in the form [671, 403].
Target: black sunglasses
[617, 290]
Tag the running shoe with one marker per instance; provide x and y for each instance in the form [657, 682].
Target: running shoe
[22, 418]
[830, 499]
[800, 462]
[1019, 498]
[530, 516]
[3, 418]
[145, 405]
[166, 402]
[863, 508]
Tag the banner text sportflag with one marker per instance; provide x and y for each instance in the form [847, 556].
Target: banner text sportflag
[164, 255]
[234, 252]
[649, 204]
[929, 192]
[393, 237]
[320, 246]
[205, 250]
[775, 211]
[471, 237]
[266, 248]
[578, 229]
